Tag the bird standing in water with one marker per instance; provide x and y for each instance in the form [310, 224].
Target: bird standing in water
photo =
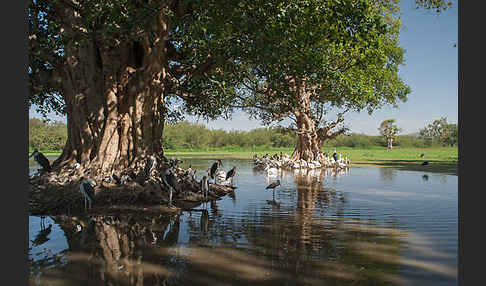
[42, 160]
[273, 186]
[205, 187]
[171, 181]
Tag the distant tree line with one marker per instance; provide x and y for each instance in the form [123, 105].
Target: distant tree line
[185, 135]
[45, 135]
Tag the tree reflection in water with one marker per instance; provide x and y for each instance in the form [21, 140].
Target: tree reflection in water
[310, 242]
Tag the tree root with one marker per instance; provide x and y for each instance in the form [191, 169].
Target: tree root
[55, 194]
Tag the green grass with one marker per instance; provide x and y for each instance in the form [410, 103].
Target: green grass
[441, 159]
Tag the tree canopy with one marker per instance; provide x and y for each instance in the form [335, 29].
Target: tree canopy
[440, 131]
[389, 131]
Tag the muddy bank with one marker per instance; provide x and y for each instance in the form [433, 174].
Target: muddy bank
[52, 194]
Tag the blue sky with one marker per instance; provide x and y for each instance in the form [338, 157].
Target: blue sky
[431, 70]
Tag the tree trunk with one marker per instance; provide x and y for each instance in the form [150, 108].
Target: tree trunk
[114, 96]
[308, 142]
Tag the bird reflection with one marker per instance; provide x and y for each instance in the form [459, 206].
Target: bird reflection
[41, 237]
[204, 221]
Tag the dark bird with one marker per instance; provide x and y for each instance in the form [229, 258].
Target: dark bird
[422, 155]
[425, 177]
[335, 156]
[41, 237]
[204, 187]
[150, 166]
[231, 173]
[455, 45]
[273, 185]
[214, 168]
[86, 188]
[171, 181]
[425, 163]
[42, 160]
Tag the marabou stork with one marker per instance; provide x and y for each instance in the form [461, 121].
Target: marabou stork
[41, 159]
[86, 188]
[171, 181]
[231, 173]
[214, 168]
[205, 187]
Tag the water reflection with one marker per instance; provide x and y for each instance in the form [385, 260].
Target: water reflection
[292, 249]
[387, 174]
[306, 235]
[425, 177]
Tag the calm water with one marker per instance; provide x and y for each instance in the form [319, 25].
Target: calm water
[368, 226]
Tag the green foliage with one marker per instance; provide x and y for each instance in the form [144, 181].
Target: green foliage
[47, 136]
[437, 5]
[439, 131]
[388, 129]
[185, 135]
[346, 51]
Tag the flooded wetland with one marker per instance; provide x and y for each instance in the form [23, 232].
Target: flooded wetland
[360, 226]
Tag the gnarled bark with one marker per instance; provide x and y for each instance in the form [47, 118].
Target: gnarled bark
[114, 95]
[310, 138]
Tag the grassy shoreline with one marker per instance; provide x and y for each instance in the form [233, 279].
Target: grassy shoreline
[441, 159]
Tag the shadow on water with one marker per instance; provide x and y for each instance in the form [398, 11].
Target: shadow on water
[305, 241]
[434, 166]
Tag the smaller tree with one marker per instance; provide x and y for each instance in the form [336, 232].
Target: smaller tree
[389, 131]
[440, 131]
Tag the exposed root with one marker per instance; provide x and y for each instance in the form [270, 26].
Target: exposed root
[58, 193]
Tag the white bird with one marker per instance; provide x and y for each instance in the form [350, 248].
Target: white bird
[303, 163]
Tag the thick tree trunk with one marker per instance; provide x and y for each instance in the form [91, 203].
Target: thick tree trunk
[114, 95]
[308, 142]
[390, 143]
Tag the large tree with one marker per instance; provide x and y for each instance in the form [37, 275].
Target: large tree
[114, 68]
[336, 54]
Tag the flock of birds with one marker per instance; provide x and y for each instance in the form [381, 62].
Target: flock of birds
[271, 164]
